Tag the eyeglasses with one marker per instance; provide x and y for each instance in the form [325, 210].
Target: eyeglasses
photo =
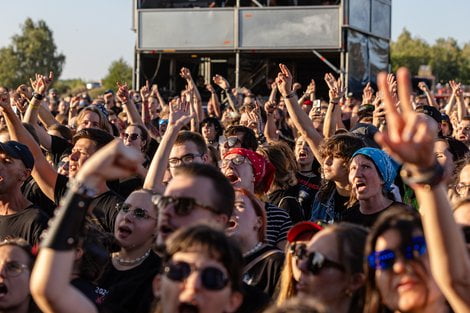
[182, 206]
[316, 261]
[385, 259]
[237, 160]
[212, 278]
[137, 213]
[462, 188]
[231, 141]
[130, 137]
[14, 268]
[298, 250]
[185, 159]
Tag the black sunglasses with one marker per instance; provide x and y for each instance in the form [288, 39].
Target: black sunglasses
[316, 261]
[183, 206]
[138, 213]
[232, 141]
[212, 278]
[131, 137]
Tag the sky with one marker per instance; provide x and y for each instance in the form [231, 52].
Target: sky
[94, 33]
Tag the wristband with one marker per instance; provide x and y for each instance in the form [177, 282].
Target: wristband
[38, 96]
[428, 178]
[291, 95]
[65, 228]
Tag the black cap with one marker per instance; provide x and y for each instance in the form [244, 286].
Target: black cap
[18, 151]
[430, 111]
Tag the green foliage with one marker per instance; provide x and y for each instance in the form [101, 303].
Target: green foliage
[119, 71]
[446, 58]
[32, 51]
[69, 86]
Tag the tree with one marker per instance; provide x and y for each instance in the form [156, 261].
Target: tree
[118, 71]
[410, 52]
[445, 59]
[32, 51]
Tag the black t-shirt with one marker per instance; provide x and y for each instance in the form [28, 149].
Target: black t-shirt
[287, 200]
[103, 206]
[128, 185]
[264, 274]
[33, 193]
[131, 290]
[93, 292]
[307, 188]
[254, 300]
[354, 215]
[59, 147]
[27, 224]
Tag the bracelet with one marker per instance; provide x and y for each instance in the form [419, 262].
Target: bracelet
[80, 189]
[34, 106]
[428, 178]
[291, 95]
[38, 96]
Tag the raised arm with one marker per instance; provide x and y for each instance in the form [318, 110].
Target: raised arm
[410, 139]
[309, 94]
[333, 113]
[223, 83]
[429, 94]
[186, 74]
[214, 101]
[179, 116]
[43, 173]
[301, 120]
[132, 113]
[50, 278]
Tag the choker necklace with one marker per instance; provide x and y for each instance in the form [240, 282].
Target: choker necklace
[129, 262]
[258, 246]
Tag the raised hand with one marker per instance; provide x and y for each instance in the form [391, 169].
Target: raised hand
[179, 113]
[4, 98]
[270, 106]
[456, 88]
[18, 101]
[210, 88]
[296, 86]
[311, 88]
[123, 92]
[409, 137]
[145, 91]
[367, 94]
[423, 87]
[330, 80]
[392, 86]
[185, 73]
[221, 81]
[39, 84]
[284, 80]
[337, 91]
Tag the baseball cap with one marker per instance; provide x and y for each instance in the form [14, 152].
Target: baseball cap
[303, 231]
[18, 151]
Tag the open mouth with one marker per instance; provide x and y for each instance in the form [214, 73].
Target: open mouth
[166, 230]
[187, 308]
[232, 225]
[360, 186]
[3, 290]
[124, 231]
[233, 178]
[302, 155]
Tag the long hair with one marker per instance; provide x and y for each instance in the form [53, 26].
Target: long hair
[259, 211]
[286, 281]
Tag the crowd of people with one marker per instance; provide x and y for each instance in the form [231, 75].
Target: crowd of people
[131, 202]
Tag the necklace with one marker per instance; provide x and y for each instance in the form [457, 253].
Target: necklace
[130, 262]
[258, 246]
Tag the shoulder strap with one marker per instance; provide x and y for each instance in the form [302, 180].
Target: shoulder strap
[260, 258]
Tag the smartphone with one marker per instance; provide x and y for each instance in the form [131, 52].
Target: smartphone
[316, 103]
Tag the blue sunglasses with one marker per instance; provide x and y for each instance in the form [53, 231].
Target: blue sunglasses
[384, 260]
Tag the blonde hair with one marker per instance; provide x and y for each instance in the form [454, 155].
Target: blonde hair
[286, 281]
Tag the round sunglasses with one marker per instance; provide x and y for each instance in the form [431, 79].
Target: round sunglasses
[212, 278]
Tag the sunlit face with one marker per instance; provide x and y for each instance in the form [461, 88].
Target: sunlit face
[132, 137]
[464, 180]
[244, 222]
[12, 174]
[208, 132]
[187, 151]
[303, 154]
[239, 171]
[364, 178]
[14, 288]
[408, 286]
[462, 214]
[334, 168]
[444, 157]
[133, 232]
[89, 120]
[81, 152]
[190, 295]
[329, 285]
[202, 191]
[463, 132]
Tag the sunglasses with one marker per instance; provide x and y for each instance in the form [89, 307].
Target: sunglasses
[385, 259]
[131, 137]
[238, 160]
[137, 213]
[316, 261]
[212, 278]
[231, 141]
[14, 268]
[182, 206]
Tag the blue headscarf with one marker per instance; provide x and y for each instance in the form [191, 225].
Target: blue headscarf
[386, 166]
